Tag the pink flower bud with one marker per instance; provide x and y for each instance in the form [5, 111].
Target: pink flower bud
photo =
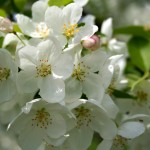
[92, 43]
[5, 25]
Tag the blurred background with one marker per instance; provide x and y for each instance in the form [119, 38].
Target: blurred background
[124, 12]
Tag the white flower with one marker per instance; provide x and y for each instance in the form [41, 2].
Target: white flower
[44, 67]
[36, 27]
[115, 47]
[81, 2]
[127, 130]
[90, 117]
[141, 102]
[40, 122]
[84, 79]
[64, 23]
[8, 74]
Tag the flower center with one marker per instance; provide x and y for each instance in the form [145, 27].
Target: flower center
[44, 69]
[119, 142]
[83, 116]
[4, 73]
[70, 30]
[42, 119]
[142, 97]
[80, 72]
[42, 29]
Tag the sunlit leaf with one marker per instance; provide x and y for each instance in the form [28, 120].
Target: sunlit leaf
[2, 13]
[59, 2]
[20, 4]
[139, 50]
[134, 30]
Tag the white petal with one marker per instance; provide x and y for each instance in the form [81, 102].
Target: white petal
[81, 2]
[103, 125]
[7, 90]
[92, 87]
[88, 19]
[85, 32]
[25, 24]
[105, 145]
[54, 20]
[72, 13]
[73, 89]
[95, 60]
[27, 57]
[31, 138]
[38, 11]
[80, 139]
[107, 28]
[58, 127]
[63, 66]
[110, 107]
[52, 90]
[49, 50]
[27, 81]
[131, 130]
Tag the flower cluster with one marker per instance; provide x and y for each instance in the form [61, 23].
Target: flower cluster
[59, 82]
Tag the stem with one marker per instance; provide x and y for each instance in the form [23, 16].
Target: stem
[146, 74]
[19, 38]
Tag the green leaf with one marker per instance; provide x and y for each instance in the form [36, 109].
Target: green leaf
[1, 41]
[59, 2]
[139, 50]
[121, 94]
[3, 13]
[134, 30]
[20, 4]
[16, 28]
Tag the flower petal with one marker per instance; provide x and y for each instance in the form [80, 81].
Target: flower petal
[25, 24]
[63, 66]
[107, 28]
[131, 130]
[80, 139]
[54, 20]
[72, 13]
[27, 81]
[52, 90]
[38, 16]
[110, 106]
[92, 87]
[58, 126]
[73, 90]
[105, 145]
[8, 90]
[103, 125]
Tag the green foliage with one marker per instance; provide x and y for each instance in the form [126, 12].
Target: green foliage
[139, 50]
[59, 2]
[20, 4]
[2, 13]
[16, 28]
[1, 41]
[134, 30]
[121, 94]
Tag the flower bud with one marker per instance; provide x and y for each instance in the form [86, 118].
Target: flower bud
[92, 43]
[5, 25]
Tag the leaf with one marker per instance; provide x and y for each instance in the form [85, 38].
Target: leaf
[134, 30]
[59, 2]
[121, 94]
[1, 41]
[20, 4]
[3, 13]
[16, 28]
[139, 50]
